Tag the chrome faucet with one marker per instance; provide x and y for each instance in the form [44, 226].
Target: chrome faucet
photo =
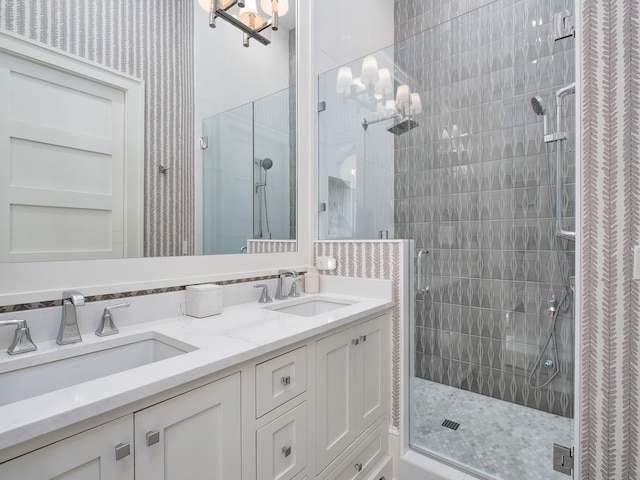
[280, 291]
[69, 331]
[107, 327]
[22, 342]
[295, 292]
[264, 296]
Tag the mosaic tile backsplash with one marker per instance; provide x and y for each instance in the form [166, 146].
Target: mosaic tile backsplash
[471, 187]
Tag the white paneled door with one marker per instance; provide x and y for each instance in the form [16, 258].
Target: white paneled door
[63, 186]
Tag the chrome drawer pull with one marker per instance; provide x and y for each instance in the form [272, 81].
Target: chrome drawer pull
[286, 451]
[123, 450]
[153, 437]
[286, 380]
[363, 338]
[355, 341]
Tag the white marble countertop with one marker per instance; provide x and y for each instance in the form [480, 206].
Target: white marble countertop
[241, 333]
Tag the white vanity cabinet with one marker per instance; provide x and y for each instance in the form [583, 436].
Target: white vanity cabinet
[352, 393]
[194, 435]
[316, 409]
[102, 452]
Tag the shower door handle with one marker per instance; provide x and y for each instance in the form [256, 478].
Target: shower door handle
[424, 271]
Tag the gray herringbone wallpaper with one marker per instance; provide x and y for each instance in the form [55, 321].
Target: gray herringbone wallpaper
[610, 336]
[151, 40]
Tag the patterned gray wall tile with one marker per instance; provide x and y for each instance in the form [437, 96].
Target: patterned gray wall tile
[471, 187]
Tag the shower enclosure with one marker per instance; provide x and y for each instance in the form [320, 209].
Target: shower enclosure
[483, 184]
[249, 175]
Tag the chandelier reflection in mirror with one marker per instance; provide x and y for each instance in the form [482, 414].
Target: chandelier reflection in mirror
[244, 15]
[373, 91]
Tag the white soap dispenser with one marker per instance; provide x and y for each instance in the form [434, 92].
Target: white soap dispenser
[312, 280]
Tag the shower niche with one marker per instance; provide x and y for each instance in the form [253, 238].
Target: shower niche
[249, 177]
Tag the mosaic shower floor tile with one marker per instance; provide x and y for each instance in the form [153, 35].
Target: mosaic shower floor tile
[501, 440]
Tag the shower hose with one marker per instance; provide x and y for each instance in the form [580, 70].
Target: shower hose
[564, 303]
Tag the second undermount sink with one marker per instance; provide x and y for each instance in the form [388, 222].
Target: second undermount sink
[82, 363]
[310, 307]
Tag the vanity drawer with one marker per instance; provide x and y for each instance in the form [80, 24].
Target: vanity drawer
[282, 446]
[359, 464]
[280, 379]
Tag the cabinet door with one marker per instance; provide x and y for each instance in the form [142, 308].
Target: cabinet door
[282, 446]
[90, 455]
[371, 367]
[195, 435]
[336, 419]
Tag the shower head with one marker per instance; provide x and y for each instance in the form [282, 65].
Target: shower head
[403, 126]
[538, 106]
[266, 163]
[541, 110]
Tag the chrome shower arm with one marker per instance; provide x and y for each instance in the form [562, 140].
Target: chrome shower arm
[366, 123]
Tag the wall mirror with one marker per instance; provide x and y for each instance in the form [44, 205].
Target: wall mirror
[218, 163]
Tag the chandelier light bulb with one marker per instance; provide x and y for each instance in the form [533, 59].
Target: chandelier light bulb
[403, 96]
[271, 6]
[249, 15]
[385, 85]
[370, 74]
[344, 81]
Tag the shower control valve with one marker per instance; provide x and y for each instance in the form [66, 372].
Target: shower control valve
[552, 305]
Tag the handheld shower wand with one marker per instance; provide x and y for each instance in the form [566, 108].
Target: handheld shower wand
[265, 164]
[541, 110]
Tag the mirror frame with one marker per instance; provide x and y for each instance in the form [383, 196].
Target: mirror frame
[40, 281]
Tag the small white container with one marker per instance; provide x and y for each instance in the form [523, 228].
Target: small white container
[204, 300]
[312, 280]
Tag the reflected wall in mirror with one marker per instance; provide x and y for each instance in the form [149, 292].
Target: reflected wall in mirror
[169, 45]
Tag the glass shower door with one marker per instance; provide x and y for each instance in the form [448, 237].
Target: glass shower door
[492, 338]
[355, 177]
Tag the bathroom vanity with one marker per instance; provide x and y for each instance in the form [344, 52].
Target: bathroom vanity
[296, 389]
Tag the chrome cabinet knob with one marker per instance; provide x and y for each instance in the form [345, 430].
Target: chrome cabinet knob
[286, 380]
[358, 467]
[286, 451]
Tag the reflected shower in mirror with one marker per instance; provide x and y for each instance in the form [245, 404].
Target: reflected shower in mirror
[248, 174]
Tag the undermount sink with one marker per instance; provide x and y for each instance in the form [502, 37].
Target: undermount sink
[84, 362]
[312, 306]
